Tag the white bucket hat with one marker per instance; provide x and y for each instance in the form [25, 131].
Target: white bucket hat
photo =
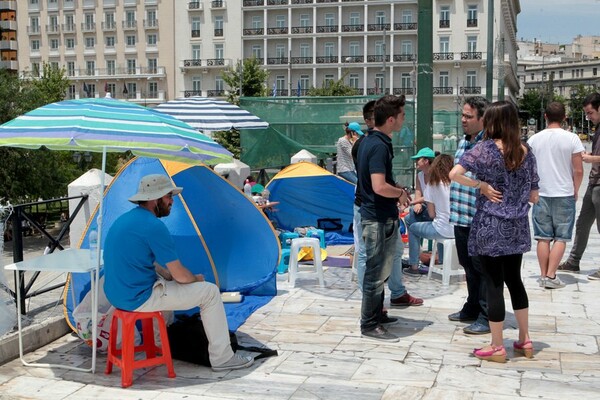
[154, 187]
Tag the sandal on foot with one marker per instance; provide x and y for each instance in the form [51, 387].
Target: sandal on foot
[522, 349]
[490, 355]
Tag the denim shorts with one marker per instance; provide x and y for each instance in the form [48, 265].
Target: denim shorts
[553, 218]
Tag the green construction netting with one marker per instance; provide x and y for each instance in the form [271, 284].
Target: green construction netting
[316, 123]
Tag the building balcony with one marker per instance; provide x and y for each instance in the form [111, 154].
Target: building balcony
[53, 28]
[195, 6]
[353, 28]
[118, 73]
[444, 23]
[195, 33]
[472, 23]
[88, 27]
[33, 30]
[353, 59]
[327, 59]
[217, 4]
[277, 60]
[470, 90]
[405, 26]
[215, 93]
[277, 31]
[253, 3]
[216, 62]
[378, 27]
[9, 64]
[129, 25]
[443, 56]
[253, 32]
[443, 90]
[205, 64]
[376, 91]
[327, 29]
[471, 55]
[9, 5]
[9, 45]
[68, 28]
[109, 26]
[302, 29]
[8, 26]
[302, 60]
[377, 58]
[191, 93]
[151, 23]
[277, 2]
[302, 1]
[327, 1]
[279, 92]
[218, 32]
[405, 57]
[404, 91]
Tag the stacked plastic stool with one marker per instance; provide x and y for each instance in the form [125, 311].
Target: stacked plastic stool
[286, 241]
[450, 265]
[318, 233]
[317, 265]
[124, 357]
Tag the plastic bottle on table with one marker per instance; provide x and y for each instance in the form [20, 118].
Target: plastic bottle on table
[93, 241]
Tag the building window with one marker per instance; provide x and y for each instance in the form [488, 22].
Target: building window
[354, 18]
[444, 79]
[153, 90]
[380, 18]
[35, 45]
[131, 66]
[304, 82]
[70, 43]
[304, 20]
[471, 44]
[70, 68]
[152, 65]
[407, 47]
[444, 44]
[195, 27]
[353, 81]
[257, 51]
[257, 22]
[560, 74]
[89, 22]
[54, 43]
[379, 83]
[219, 84]
[151, 18]
[109, 20]
[109, 41]
[354, 48]
[90, 42]
[152, 39]
[305, 51]
[219, 53]
[471, 79]
[329, 19]
[35, 69]
[130, 19]
[197, 83]
[329, 79]
[329, 48]
[280, 82]
[111, 67]
[445, 17]
[407, 17]
[405, 80]
[280, 51]
[219, 25]
[196, 52]
[130, 40]
[472, 16]
[90, 67]
[594, 72]
[280, 21]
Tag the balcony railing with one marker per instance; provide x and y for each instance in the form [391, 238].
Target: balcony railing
[88, 26]
[277, 2]
[194, 5]
[190, 93]
[195, 33]
[353, 28]
[109, 26]
[302, 29]
[302, 1]
[302, 60]
[53, 28]
[470, 90]
[277, 60]
[404, 57]
[277, 31]
[151, 23]
[33, 29]
[68, 27]
[215, 61]
[443, 56]
[255, 31]
[404, 91]
[471, 55]
[443, 90]
[377, 91]
[218, 32]
[353, 59]
[327, 28]
[215, 93]
[129, 25]
[472, 23]
[378, 27]
[405, 26]
[327, 59]
[192, 63]
[254, 3]
[444, 23]
[377, 58]
[217, 4]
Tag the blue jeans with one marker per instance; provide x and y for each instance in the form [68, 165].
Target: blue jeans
[413, 217]
[395, 281]
[416, 232]
[380, 246]
[350, 176]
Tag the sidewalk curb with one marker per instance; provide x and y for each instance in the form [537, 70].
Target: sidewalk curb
[34, 337]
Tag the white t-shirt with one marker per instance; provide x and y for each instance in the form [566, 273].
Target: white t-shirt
[439, 195]
[553, 149]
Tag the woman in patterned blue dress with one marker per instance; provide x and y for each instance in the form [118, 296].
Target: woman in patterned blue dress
[505, 172]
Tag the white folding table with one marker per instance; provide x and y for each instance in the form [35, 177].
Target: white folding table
[70, 260]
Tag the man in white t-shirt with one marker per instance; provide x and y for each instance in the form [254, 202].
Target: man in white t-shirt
[560, 167]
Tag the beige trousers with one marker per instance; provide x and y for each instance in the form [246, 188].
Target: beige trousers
[171, 296]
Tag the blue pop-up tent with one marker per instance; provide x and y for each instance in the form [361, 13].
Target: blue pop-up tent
[218, 232]
[308, 195]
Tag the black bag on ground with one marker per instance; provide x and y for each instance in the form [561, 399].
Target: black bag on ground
[188, 341]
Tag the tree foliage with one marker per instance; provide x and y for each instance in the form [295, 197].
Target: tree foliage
[333, 88]
[230, 140]
[253, 80]
[576, 114]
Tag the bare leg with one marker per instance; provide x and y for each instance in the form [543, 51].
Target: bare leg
[496, 329]
[556, 253]
[522, 317]
[543, 255]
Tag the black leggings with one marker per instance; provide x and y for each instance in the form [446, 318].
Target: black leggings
[496, 272]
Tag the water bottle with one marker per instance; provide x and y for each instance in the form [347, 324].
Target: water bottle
[93, 240]
[248, 189]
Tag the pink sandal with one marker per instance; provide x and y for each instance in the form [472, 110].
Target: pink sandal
[521, 349]
[489, 355]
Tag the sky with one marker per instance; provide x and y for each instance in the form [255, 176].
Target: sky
[558, 21]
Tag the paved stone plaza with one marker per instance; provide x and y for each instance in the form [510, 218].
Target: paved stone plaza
[322, 355]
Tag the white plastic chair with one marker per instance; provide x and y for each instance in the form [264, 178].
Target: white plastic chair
[450, 266]
[317, 270]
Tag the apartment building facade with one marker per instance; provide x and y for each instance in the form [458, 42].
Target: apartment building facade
[150, 51]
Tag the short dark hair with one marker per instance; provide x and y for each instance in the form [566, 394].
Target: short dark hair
[387, 106]
[555, 112]
[478, 103]
[368, 109]
[593, 99]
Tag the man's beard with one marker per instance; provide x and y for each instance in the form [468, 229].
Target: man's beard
[162, 208]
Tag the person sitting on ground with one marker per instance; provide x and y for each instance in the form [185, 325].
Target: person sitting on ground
[345, 164]
[143, 272]
[437, 196]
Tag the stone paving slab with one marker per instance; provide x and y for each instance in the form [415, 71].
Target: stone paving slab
[322, 356]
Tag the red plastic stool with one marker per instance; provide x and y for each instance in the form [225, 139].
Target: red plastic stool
[124, 357]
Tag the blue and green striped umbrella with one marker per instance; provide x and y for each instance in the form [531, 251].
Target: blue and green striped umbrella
[111, 125]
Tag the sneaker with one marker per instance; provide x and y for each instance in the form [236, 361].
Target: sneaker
[595, 276]
[422, 270]
[555, 283]
[380, 333]
[479, 327]
[235, 362]
[406, 300]
[567, 266]
[541, 281]
[387, 320]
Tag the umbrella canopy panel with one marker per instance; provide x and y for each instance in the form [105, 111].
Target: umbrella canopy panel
[208, 114]
[110, 125]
